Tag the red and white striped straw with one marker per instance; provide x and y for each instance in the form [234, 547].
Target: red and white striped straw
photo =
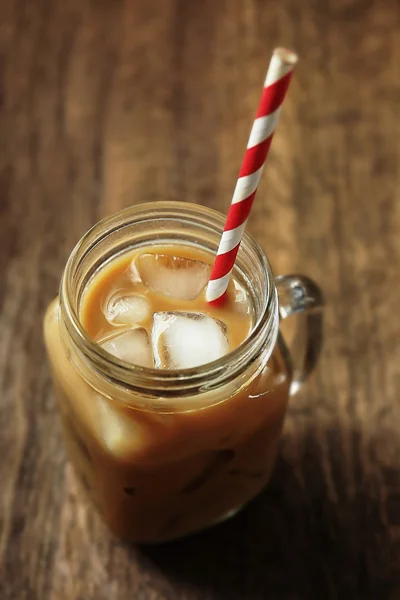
[275, 86]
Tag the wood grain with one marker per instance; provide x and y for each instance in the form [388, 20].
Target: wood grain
[107, 103]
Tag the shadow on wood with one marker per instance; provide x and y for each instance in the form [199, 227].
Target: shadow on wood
[297, 540]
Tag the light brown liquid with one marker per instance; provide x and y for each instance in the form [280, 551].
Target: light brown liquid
[156, 476]
[116, 277]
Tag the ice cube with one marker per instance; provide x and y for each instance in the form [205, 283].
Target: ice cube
[119, 433]
[132, 345]
[134, 274]
[242, 301]
[127, 309]
[134, 434]
[182, 340]
[182, 278]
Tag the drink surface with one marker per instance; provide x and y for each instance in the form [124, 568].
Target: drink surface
[149, 307]
[157, 474]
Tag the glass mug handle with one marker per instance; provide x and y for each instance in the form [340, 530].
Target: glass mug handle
[299, 296]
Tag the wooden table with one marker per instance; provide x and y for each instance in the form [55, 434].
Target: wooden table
[108, 103]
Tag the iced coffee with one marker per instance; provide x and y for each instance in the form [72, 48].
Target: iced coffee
[160, 471]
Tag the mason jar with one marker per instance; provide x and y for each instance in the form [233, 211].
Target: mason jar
[164, 453]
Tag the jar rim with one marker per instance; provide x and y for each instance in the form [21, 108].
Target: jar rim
[166, 382]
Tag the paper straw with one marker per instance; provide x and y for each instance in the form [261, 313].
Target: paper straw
[275, 86]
